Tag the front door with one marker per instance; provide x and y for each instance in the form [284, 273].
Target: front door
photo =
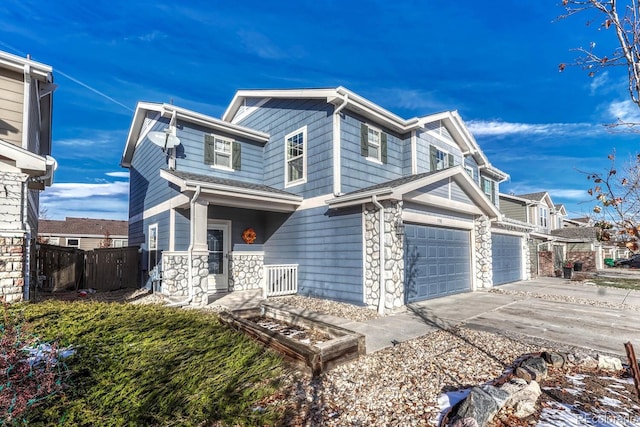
[218, 244]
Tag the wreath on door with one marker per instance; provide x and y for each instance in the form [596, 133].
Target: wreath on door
[249, 236]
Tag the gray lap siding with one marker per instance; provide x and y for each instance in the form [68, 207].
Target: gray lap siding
[327, 245]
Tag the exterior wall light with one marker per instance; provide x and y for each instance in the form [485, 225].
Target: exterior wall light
[399, 228]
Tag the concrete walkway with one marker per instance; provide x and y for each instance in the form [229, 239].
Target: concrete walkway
[597, 328]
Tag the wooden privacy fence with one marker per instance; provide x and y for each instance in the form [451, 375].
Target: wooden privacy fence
[111, 268]
[61, 268]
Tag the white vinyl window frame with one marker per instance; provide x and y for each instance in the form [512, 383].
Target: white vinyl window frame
[469, 171]
[223, 153]
[73, 242]
[543, 216]
[152, 243]
[53, 241]
[295, 153]
[374, 144]
[442, 159]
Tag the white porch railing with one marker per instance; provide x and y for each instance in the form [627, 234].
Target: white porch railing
[280, 279]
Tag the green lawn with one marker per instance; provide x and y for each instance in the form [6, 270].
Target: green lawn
[614, 282]
[150, 365]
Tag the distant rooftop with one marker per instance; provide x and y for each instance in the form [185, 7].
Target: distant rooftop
[83, 226]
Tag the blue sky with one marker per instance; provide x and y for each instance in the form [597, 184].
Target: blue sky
[497, 65]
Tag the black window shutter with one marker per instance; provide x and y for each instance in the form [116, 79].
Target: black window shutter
[236, 159]
[383, 147]
[433, 152]
[209, 150]
[450, 160]
[364, 140]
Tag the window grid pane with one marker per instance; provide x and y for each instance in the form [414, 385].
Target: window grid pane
[295, 157]
[222, 149]
[373, 136]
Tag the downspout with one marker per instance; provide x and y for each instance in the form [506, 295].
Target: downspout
[27, 239]
[192, 228]
[374, 200]
[337, 178]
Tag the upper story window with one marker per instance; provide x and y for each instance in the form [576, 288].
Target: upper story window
[222, 152]
[543, 217]
[440, 159]
[469, 171]
[295, 145]
[489, 188]
[373, 143]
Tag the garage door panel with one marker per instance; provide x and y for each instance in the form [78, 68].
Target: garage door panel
[448, 263]
[507, 258]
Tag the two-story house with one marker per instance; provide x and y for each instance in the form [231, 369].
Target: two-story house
[550, 242]
[355, 202]
[26, 167]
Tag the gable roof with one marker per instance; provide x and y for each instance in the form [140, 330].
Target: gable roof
[533, 196]
[397, 189]
[84, 227]
[137, 130]
[341, 97]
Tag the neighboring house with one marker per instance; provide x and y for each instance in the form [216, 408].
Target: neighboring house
[84, 233]
[362, 205]
[26, 167]
[551, 237]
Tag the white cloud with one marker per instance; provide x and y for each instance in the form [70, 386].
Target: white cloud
[625, 111]
[260, 45]
[500, 128]
[565, 193]
[599, 81]
[74, 190]
[118, 174]
[408, 99]
[101, 200]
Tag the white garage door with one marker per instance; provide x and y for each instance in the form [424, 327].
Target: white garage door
[437, 262]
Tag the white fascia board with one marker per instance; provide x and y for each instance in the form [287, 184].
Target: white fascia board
[512, 197]
[31, 163]
[168, 110]
[17, 63]
[359, 198]
[212, 188]
[355, 103]
[462, 178]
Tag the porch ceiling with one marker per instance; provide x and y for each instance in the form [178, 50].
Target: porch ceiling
[238, 194]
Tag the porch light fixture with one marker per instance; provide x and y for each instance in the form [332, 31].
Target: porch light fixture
[399, 228]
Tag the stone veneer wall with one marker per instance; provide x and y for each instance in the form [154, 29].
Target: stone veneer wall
[246, 271]
[12, 252]
[393, 255]
[484, 269]
[12, 237]
[175, 280]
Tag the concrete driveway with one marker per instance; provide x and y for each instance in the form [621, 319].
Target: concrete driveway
[602, 329]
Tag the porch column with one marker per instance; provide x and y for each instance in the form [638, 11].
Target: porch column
[199, 218]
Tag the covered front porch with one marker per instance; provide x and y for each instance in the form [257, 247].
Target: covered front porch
[218, 241]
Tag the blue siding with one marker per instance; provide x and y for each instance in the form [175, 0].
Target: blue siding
[190, 155]
[182, 229]
[440, 188]
[424, 141]
[327, 245]
[358, 172]
[280, 117]
[471, 163]
[241, 219]
[406, 156]
[146, 188]
[458, 194]
[141, 229]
